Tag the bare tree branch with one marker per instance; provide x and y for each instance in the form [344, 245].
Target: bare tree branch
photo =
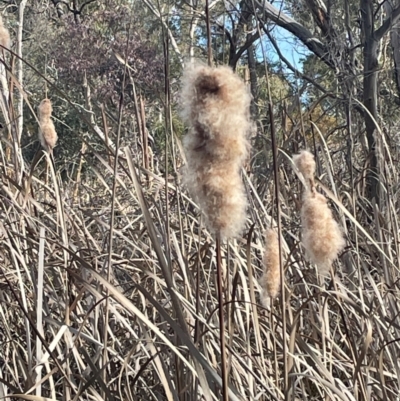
[84, 5]
[395, 43]
[266, 9]
[233, 61]
[290, 66]
[389, 22]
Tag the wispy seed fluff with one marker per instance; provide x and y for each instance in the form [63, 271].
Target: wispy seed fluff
[47, 132]
[4, 35]
[322, 237]
[321, 234]
[215, 105]
[271, 278]
[305, 162]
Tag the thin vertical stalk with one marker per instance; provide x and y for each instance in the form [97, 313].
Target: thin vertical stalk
[350, 148]
[20, 105]
[112, 218]
[209, 43]
[278, 218]
[224, 372]
[144, 135]
[197, 327]
[196, 336]
[167, 95]
[79, 171]
[105, 128]
[39, 310]
[167, 107]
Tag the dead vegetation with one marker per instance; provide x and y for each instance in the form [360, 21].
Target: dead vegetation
[341, 334]
[109, 292]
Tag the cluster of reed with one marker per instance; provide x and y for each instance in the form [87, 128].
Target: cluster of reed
[215, 106]
[47, 132]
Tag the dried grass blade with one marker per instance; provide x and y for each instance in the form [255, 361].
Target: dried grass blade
[97, 374]
[327, 158]
[366, 344]
[53, 344]
[186, 340]
[346, 396]
[354, 221]
[256, 322]
[162, 372]
[32, 397]
[164, 267]
[39, 308]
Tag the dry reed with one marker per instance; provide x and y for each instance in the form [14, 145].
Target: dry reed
[271, 278]
[47, 133]
[215, 105]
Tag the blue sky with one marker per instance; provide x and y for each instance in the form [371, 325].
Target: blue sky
[290, 47]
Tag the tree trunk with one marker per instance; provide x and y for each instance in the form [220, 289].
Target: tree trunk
[395, 43]
[370, 87]
[253, 81]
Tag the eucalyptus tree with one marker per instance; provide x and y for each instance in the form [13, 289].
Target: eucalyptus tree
[348, 38]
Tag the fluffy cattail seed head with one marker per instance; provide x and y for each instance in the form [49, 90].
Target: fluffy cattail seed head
[321, 235]
[4, 35]
[45, 109]
[47, 132]
[271, 278]
[48, 135]
[215, 105]
[305, 162]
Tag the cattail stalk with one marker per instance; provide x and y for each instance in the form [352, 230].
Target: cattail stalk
[216, 108]
[5, 92]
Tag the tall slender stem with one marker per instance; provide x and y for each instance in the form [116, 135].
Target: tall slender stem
[209, 43]
[224, 371]
[278, 217]
[112, 219]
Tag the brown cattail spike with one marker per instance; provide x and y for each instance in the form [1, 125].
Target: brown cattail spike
[271, 278]
[47, 133]
[215, 105]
